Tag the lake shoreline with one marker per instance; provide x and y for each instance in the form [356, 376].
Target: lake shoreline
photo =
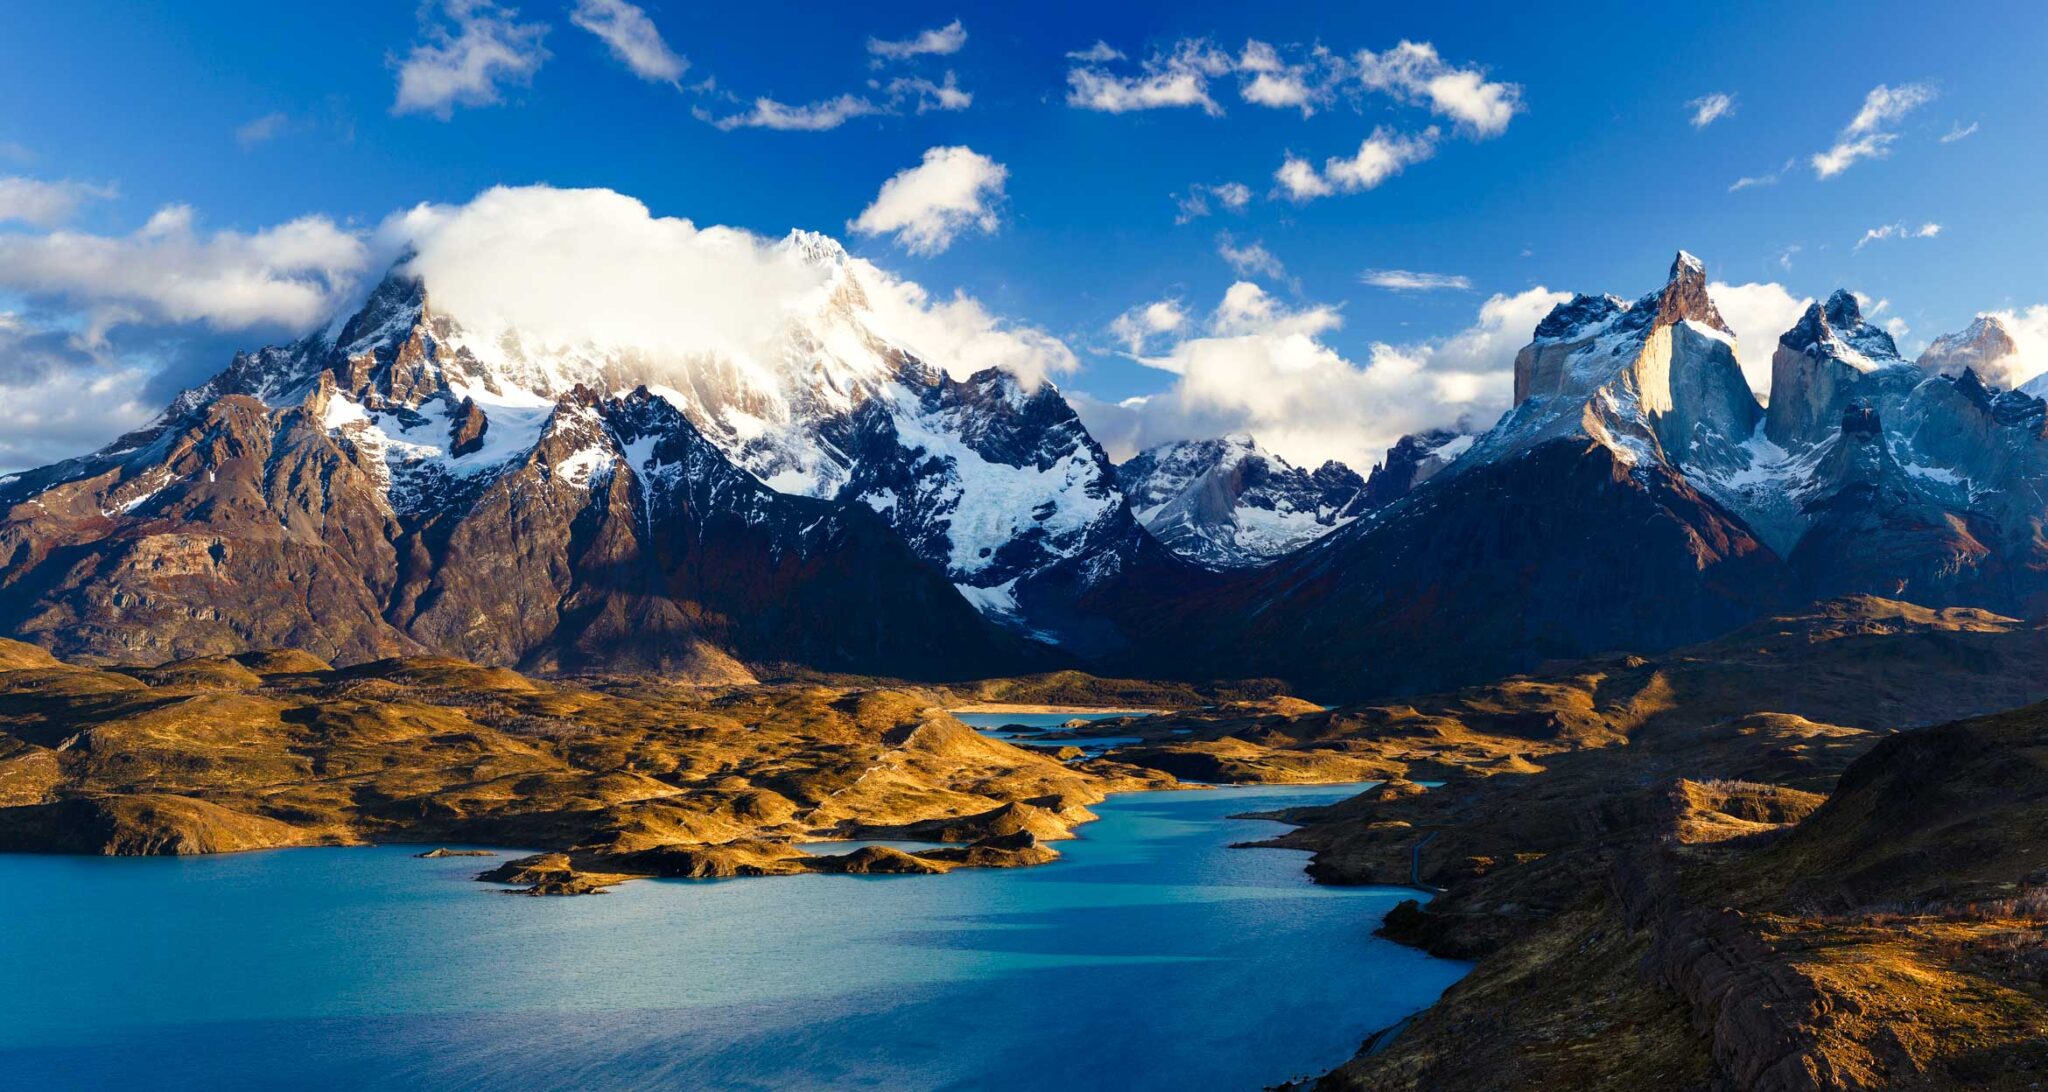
[1076, 710]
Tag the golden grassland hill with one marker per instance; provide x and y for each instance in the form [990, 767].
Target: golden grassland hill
[623, 775]
[1854, 664]
[1684, 911]
[1895, 936]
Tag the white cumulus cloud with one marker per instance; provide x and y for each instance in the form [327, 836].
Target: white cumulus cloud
[583, 267]
[1261, 367]
[1178, 78]
[1758, 313]
[61, 414]
[1380, 156]
[953, 190]
[467, 59]
[169, 271]
[1414, 71]
[2029, 330]
[1139, 325]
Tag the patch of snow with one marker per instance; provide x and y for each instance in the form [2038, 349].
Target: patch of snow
[1000, 600]
[1704, 330]
[1454, 447]
[586, 465]
[341, 411]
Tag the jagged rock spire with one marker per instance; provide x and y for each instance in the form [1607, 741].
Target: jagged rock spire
[1685, 295]
[1844, 309]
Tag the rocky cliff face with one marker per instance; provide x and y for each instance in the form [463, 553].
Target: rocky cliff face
[1229, 503]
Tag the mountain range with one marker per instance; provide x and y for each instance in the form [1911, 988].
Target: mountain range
[407, 480]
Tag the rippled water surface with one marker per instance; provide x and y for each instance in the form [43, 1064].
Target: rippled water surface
[1150, 957]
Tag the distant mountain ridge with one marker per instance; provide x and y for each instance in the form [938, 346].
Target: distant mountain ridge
[1229, 503]
[399, 483]
[1638, 495]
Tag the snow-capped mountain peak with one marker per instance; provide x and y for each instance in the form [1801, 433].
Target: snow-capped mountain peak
[1653, 380]
[990, 478]
[1986, 347]
[1228, 503]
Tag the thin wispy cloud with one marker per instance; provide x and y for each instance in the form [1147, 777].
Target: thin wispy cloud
[1870, 134]
[937, 42]
[1898, 231]
[924, 96]
[472, 50]
[258, 130]
[1250, 260]
[909, 94]
[803, 117]
[1201, 199]
[633, 39]
[1708, 109]
[953, 190]
[1958, 132]
[1408, 280]
[1752, 181]
[905, 94]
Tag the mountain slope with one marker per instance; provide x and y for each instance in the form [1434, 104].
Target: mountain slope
[591, 533]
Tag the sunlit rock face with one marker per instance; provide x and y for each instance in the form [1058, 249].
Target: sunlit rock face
[1654, 380]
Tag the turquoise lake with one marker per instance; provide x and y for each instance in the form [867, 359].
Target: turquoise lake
[1151, 956]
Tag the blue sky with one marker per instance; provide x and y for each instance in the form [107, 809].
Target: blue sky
[253, 116]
